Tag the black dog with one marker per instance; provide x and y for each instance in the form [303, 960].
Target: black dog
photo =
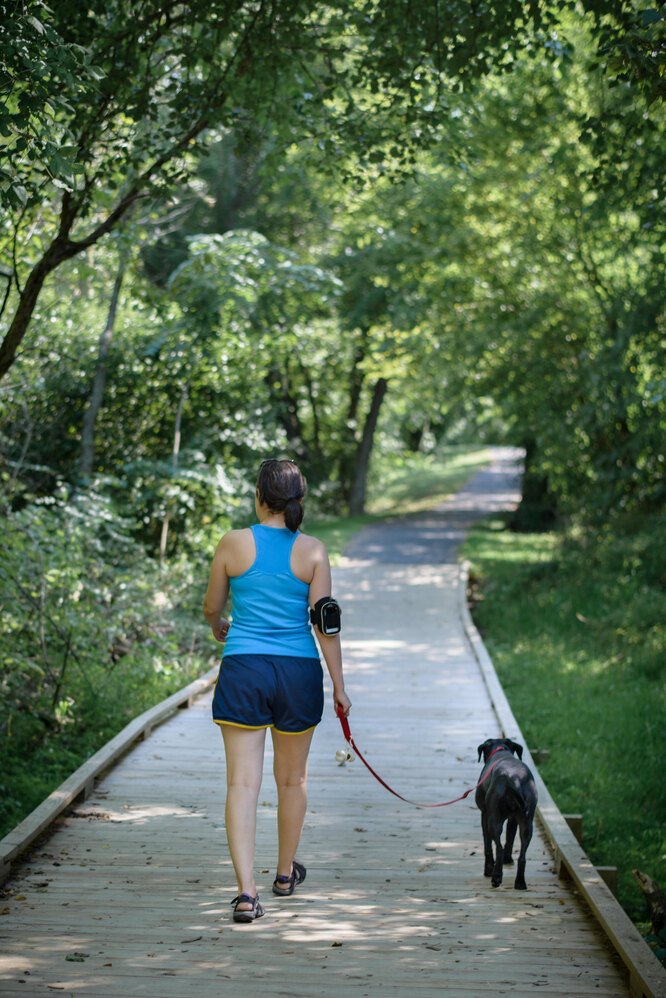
[507, 794]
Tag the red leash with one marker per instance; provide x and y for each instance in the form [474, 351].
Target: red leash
[346, 731]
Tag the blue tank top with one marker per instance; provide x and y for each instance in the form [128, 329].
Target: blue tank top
[269, 604]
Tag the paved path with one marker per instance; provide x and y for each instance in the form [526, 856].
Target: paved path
[433, 538]
[130, 895]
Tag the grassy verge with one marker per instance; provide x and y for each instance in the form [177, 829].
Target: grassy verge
[575, 628]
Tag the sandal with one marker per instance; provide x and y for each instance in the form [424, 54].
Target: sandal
[248, 915]
[284, 886]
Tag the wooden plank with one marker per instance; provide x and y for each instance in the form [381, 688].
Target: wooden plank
[82, 781]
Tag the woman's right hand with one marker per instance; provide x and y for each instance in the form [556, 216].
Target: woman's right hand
[220, 630]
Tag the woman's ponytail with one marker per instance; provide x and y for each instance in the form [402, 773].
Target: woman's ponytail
[293, 514]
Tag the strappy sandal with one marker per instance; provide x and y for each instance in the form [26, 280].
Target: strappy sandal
[250, 914]
[284, 886]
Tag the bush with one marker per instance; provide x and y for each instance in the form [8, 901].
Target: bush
[92, 634]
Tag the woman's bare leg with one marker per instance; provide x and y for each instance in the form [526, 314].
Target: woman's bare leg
[290, 767]
[244, 750]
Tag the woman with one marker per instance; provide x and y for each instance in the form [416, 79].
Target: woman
[270, 674]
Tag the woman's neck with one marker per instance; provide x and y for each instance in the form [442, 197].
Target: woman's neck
[269, 519]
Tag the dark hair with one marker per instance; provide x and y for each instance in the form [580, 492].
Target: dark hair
[282, 487]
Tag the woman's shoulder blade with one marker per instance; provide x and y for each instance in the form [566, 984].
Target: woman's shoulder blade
[307, 541]
[233, 538]
[309, 552]
[239, 550]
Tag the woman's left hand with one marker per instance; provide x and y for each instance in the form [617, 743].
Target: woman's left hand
[340, 699]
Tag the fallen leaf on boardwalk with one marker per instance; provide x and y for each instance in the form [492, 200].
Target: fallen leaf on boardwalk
[20, 897]
[76, 957]
[195, 940]
[6, 910]
[360, 829]
[336, 944]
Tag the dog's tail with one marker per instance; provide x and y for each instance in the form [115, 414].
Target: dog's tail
[523, 803]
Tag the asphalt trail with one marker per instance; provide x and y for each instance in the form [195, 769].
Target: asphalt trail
[433, 538]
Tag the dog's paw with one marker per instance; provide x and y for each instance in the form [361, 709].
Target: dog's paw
[495, 882]
[520, 885]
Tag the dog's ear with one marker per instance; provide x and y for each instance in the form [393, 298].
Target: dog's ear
[480, 750]
[515, 747]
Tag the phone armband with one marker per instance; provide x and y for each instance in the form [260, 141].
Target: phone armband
[326, 615]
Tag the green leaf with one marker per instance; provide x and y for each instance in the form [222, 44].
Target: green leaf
[650, 16]
[37, 25]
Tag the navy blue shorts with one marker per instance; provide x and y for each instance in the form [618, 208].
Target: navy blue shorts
[269, 691]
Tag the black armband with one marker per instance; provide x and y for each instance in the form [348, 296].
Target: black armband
[326, 615]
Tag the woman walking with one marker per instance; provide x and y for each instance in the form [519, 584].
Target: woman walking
[270, 674]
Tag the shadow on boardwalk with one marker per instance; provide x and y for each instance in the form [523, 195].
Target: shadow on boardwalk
[129, 895]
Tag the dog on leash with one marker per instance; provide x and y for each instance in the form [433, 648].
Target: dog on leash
[508, 794]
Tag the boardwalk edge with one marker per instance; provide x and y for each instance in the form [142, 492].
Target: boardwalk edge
[647, 977]
[80, 784]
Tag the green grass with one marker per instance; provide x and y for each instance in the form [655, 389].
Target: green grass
[575, 628]
[410, 483]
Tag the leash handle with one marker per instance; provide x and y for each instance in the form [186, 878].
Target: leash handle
[346, 731]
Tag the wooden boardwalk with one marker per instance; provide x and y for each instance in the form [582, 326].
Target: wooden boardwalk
[130, 893]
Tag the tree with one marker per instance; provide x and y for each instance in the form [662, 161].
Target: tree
[137, 87]
[99, 382]
[559, 310]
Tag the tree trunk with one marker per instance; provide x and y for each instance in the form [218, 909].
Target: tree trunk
[99, 383]
[174, 464]
[58, 251]
[62, 248]
[356, 382]
[314, 408]
[288, 408]
[357, 497]
[537, 509]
